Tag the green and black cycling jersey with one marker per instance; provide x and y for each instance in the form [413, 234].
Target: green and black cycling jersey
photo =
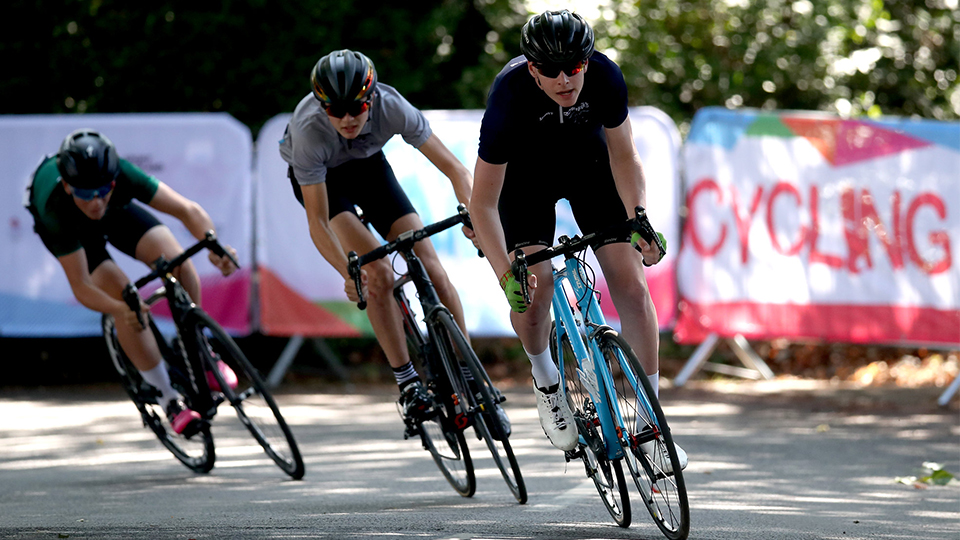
[58, 221]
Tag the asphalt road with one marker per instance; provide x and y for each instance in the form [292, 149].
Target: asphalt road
[767, 461]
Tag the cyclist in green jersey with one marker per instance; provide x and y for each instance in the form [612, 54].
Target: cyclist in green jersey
[83, 197]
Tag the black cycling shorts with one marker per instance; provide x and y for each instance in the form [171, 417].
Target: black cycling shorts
[368, 183]
[528, 200]
[122, 226]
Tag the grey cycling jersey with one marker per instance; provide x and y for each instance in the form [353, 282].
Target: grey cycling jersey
[311, 145]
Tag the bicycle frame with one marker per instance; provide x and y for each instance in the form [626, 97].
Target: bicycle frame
[588, 322]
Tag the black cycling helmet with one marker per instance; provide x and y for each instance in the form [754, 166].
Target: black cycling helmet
[343, 77]
[556, 37]
[87, 160]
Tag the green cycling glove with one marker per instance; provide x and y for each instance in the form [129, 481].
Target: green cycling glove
[635, 241]
[511, 287]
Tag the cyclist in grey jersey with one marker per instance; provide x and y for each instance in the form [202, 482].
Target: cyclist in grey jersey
[333, 146]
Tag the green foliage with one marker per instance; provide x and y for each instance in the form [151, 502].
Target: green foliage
[853, 57]
[252, 58]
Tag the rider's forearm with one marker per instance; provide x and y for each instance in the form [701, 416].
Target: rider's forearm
[631, 183]
[329, 246]
[486, 223]
[196, 220]
[92, 297]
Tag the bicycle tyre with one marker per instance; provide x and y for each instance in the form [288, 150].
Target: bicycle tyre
[252, 401]
[197, 453]
[607, 475]
[449, 450]
[664, 494]
[456, 352]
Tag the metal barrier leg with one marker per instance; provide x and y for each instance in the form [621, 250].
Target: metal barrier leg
[748, 357]
[283, 363]
[756, 368]
[697, 359]
[951, 390]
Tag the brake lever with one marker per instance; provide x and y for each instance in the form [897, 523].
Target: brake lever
[519, 269]
[132, 297]
[353, 268]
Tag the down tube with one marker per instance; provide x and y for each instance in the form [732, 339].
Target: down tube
[609, 424]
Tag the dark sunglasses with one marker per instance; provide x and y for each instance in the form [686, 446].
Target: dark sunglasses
[552, 71]
[91, 194]
[353, 108]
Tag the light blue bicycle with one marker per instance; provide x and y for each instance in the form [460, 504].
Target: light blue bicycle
[622, 428]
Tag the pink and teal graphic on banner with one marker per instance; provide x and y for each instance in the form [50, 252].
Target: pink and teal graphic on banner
[841, 142]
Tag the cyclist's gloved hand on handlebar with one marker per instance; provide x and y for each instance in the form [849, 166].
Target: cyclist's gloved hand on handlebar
[511, 288]
[651, 254]
[224, 264]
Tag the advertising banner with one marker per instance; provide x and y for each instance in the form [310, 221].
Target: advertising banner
[805, 225]
[205, 157]
[302, 294]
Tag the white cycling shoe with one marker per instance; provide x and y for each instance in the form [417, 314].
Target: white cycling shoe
[661, 462]
[556, 418]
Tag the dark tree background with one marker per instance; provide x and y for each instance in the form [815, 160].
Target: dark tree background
[252, 58]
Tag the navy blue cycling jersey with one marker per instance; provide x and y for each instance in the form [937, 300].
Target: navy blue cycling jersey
[522, 123]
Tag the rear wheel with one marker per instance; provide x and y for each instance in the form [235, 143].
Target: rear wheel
[250, 398]
[197, 452]
[661, 488]
[607, 475]
[447, 445]
[481, 400]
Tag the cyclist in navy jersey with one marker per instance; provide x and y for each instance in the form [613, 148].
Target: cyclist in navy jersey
[556, 126]
[85, 196]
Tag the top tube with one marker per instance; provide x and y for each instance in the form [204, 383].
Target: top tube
[162, 266]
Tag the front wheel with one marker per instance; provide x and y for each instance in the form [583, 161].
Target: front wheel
[480, 399]
[197, 452]
[607, 475]
[648, 449]
[249, 396]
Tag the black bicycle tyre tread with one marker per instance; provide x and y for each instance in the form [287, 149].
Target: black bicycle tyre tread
[198, 318]
[625, 516]
[684, 527]
[131, 382]
[517, 487]
[468, 486]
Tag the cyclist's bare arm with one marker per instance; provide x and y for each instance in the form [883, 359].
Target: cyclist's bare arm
[487, 184]
[194, 218]
[324, 239]
[452, 168]
[92, 297]
[628, 175]
[626, 166]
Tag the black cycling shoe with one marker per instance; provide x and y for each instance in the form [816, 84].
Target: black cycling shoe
[415, 403]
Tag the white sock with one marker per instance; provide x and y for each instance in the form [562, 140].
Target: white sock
[543, 368]
[160, 379]
[655, 383]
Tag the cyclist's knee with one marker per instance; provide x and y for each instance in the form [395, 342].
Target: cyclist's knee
[380, 277]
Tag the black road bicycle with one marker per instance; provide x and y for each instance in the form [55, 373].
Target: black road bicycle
[190, 356]
[462, 391]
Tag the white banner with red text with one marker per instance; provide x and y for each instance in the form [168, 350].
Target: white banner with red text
[805, 225]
